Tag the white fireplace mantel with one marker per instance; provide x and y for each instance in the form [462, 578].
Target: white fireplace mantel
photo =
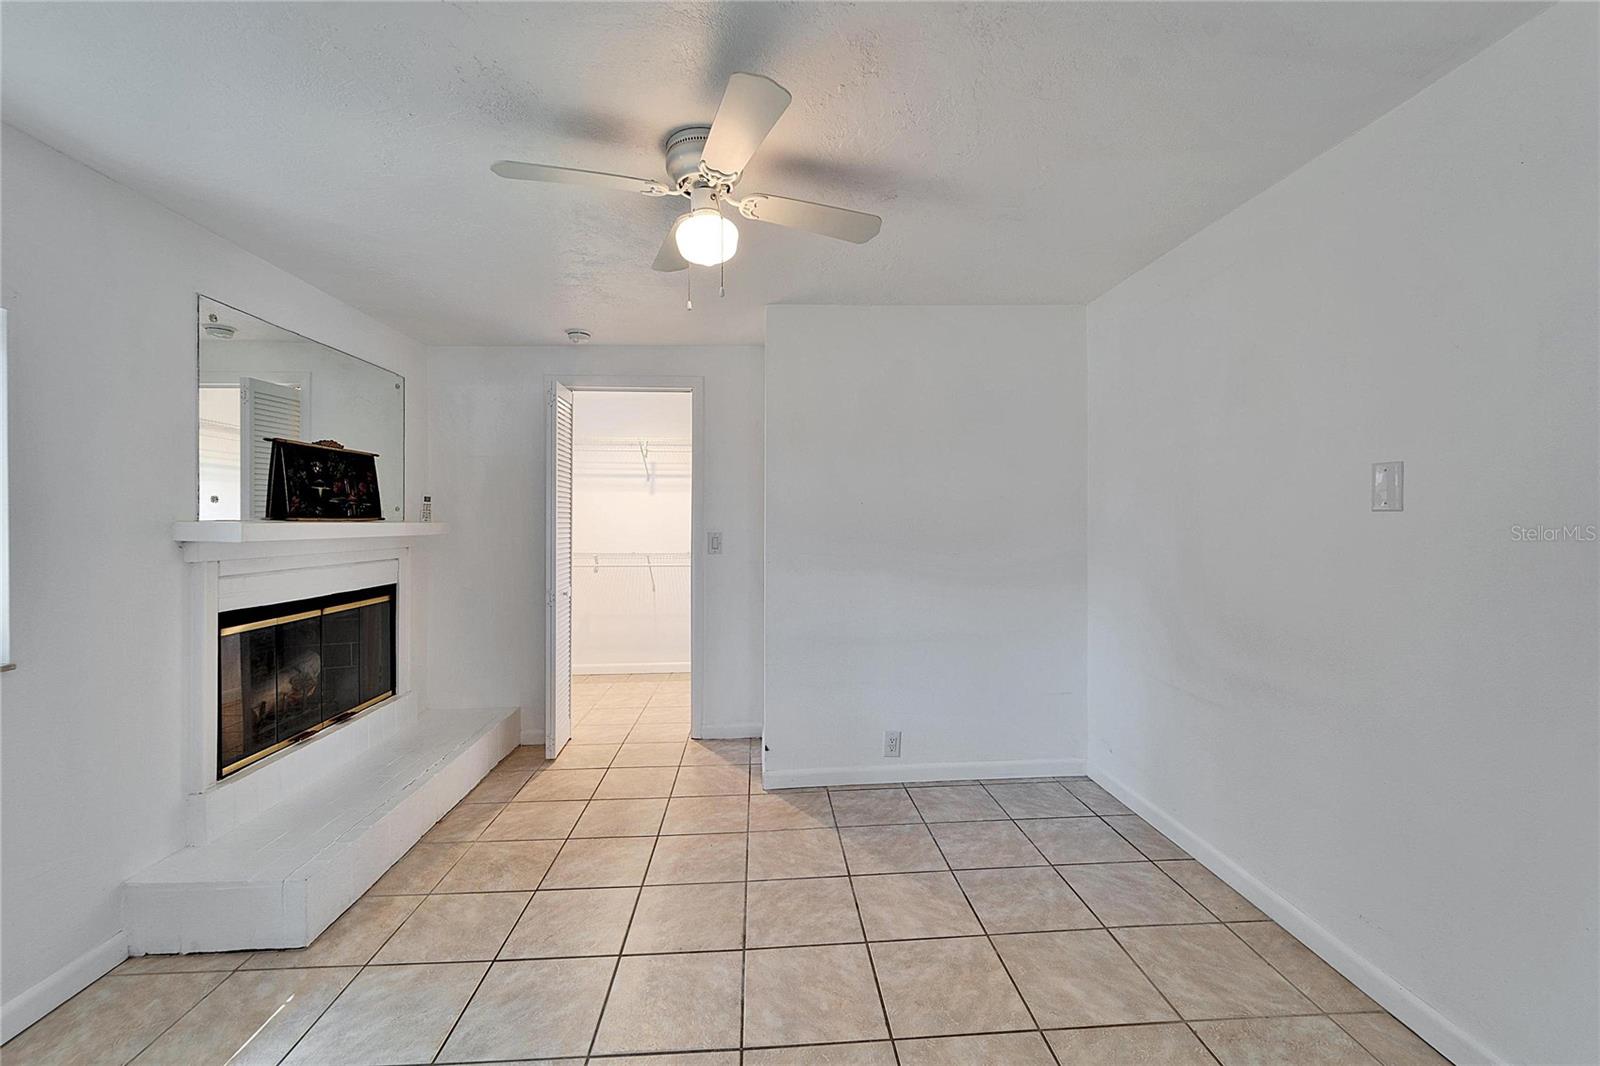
[215, 540]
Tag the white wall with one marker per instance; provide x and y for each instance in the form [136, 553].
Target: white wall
[631, 521]
[100, 286]
[925, 542]
[486, 631]
[1384, 725]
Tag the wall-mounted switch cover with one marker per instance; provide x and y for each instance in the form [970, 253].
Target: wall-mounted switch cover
[891, 744]
[714, 542]
[1388, 486]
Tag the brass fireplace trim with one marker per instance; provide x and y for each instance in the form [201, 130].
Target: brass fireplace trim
[282, 619]
[359, 603]
[305, 734]
[301, 616]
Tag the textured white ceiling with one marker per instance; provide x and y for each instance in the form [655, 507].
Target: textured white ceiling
[1018, 153]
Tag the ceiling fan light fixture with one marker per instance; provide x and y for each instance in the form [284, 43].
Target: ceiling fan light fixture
[706, 163]
[705, 238]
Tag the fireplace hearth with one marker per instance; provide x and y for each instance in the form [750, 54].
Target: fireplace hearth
[289, 670]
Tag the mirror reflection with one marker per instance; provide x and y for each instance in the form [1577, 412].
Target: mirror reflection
[259, 381]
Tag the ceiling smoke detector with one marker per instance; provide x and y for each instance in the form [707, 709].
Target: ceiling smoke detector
[578, 336]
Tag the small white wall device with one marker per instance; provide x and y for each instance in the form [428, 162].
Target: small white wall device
[1388, 485]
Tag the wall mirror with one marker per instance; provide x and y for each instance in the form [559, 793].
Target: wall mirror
[259, 381]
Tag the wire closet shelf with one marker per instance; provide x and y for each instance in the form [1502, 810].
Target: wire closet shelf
[649, 562]
[622, 457]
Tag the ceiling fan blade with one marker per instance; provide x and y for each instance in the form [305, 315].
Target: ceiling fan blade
[751, 106]
[668, 259]
[508, 168]
[857, 227]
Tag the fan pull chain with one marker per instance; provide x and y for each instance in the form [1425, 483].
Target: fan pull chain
[688, 279]
[722, 258]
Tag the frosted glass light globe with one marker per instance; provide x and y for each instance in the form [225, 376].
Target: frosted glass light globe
[705, 238]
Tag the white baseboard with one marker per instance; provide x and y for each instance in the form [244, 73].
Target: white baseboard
[729, 730]
[27, 1007]
[1450, 1039]
[632, 668]
[927, 771]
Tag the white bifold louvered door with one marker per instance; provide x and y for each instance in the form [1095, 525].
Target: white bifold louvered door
[266, 410]
[558, 576]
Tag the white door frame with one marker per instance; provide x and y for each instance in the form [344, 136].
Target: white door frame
[696, 387]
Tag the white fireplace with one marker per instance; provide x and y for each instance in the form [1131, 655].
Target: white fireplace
[279, 847]
[232, 577]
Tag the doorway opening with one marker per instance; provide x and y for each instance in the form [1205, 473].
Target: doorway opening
[621, 537]
[239, 415]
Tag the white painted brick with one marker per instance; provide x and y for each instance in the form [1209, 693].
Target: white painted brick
[284, 874]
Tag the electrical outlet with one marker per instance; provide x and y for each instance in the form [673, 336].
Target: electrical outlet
[891, 744]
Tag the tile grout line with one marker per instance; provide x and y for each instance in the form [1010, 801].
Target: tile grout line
[987, 936]
[750, 779]
[1123, 948]
[1049, 1048]
[360, 969]
[462, 1013]
[627, 931]
[1225, 923]
[511, 929]
[744, 924]
[1013, 821]
[1135, 962]
[736, 832]
[1286, 978]
[628, 927]
[168, 1028]
[969, 1033]
[1370, 1051]
[520, 914]
[1220, 921]
[766, 947]
[866, 945]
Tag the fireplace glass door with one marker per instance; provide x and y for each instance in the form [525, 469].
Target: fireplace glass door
[286, 671]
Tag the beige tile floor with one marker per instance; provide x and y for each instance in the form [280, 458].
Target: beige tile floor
[643, 896]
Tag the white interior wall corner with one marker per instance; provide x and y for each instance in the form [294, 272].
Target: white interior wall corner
[81, 248]
[486, 631]
[925, 541]
[1384, 724]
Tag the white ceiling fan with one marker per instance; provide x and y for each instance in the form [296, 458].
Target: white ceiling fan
[704, 164]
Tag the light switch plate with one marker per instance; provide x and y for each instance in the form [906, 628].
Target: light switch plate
[1388, 486]
[714, 542]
